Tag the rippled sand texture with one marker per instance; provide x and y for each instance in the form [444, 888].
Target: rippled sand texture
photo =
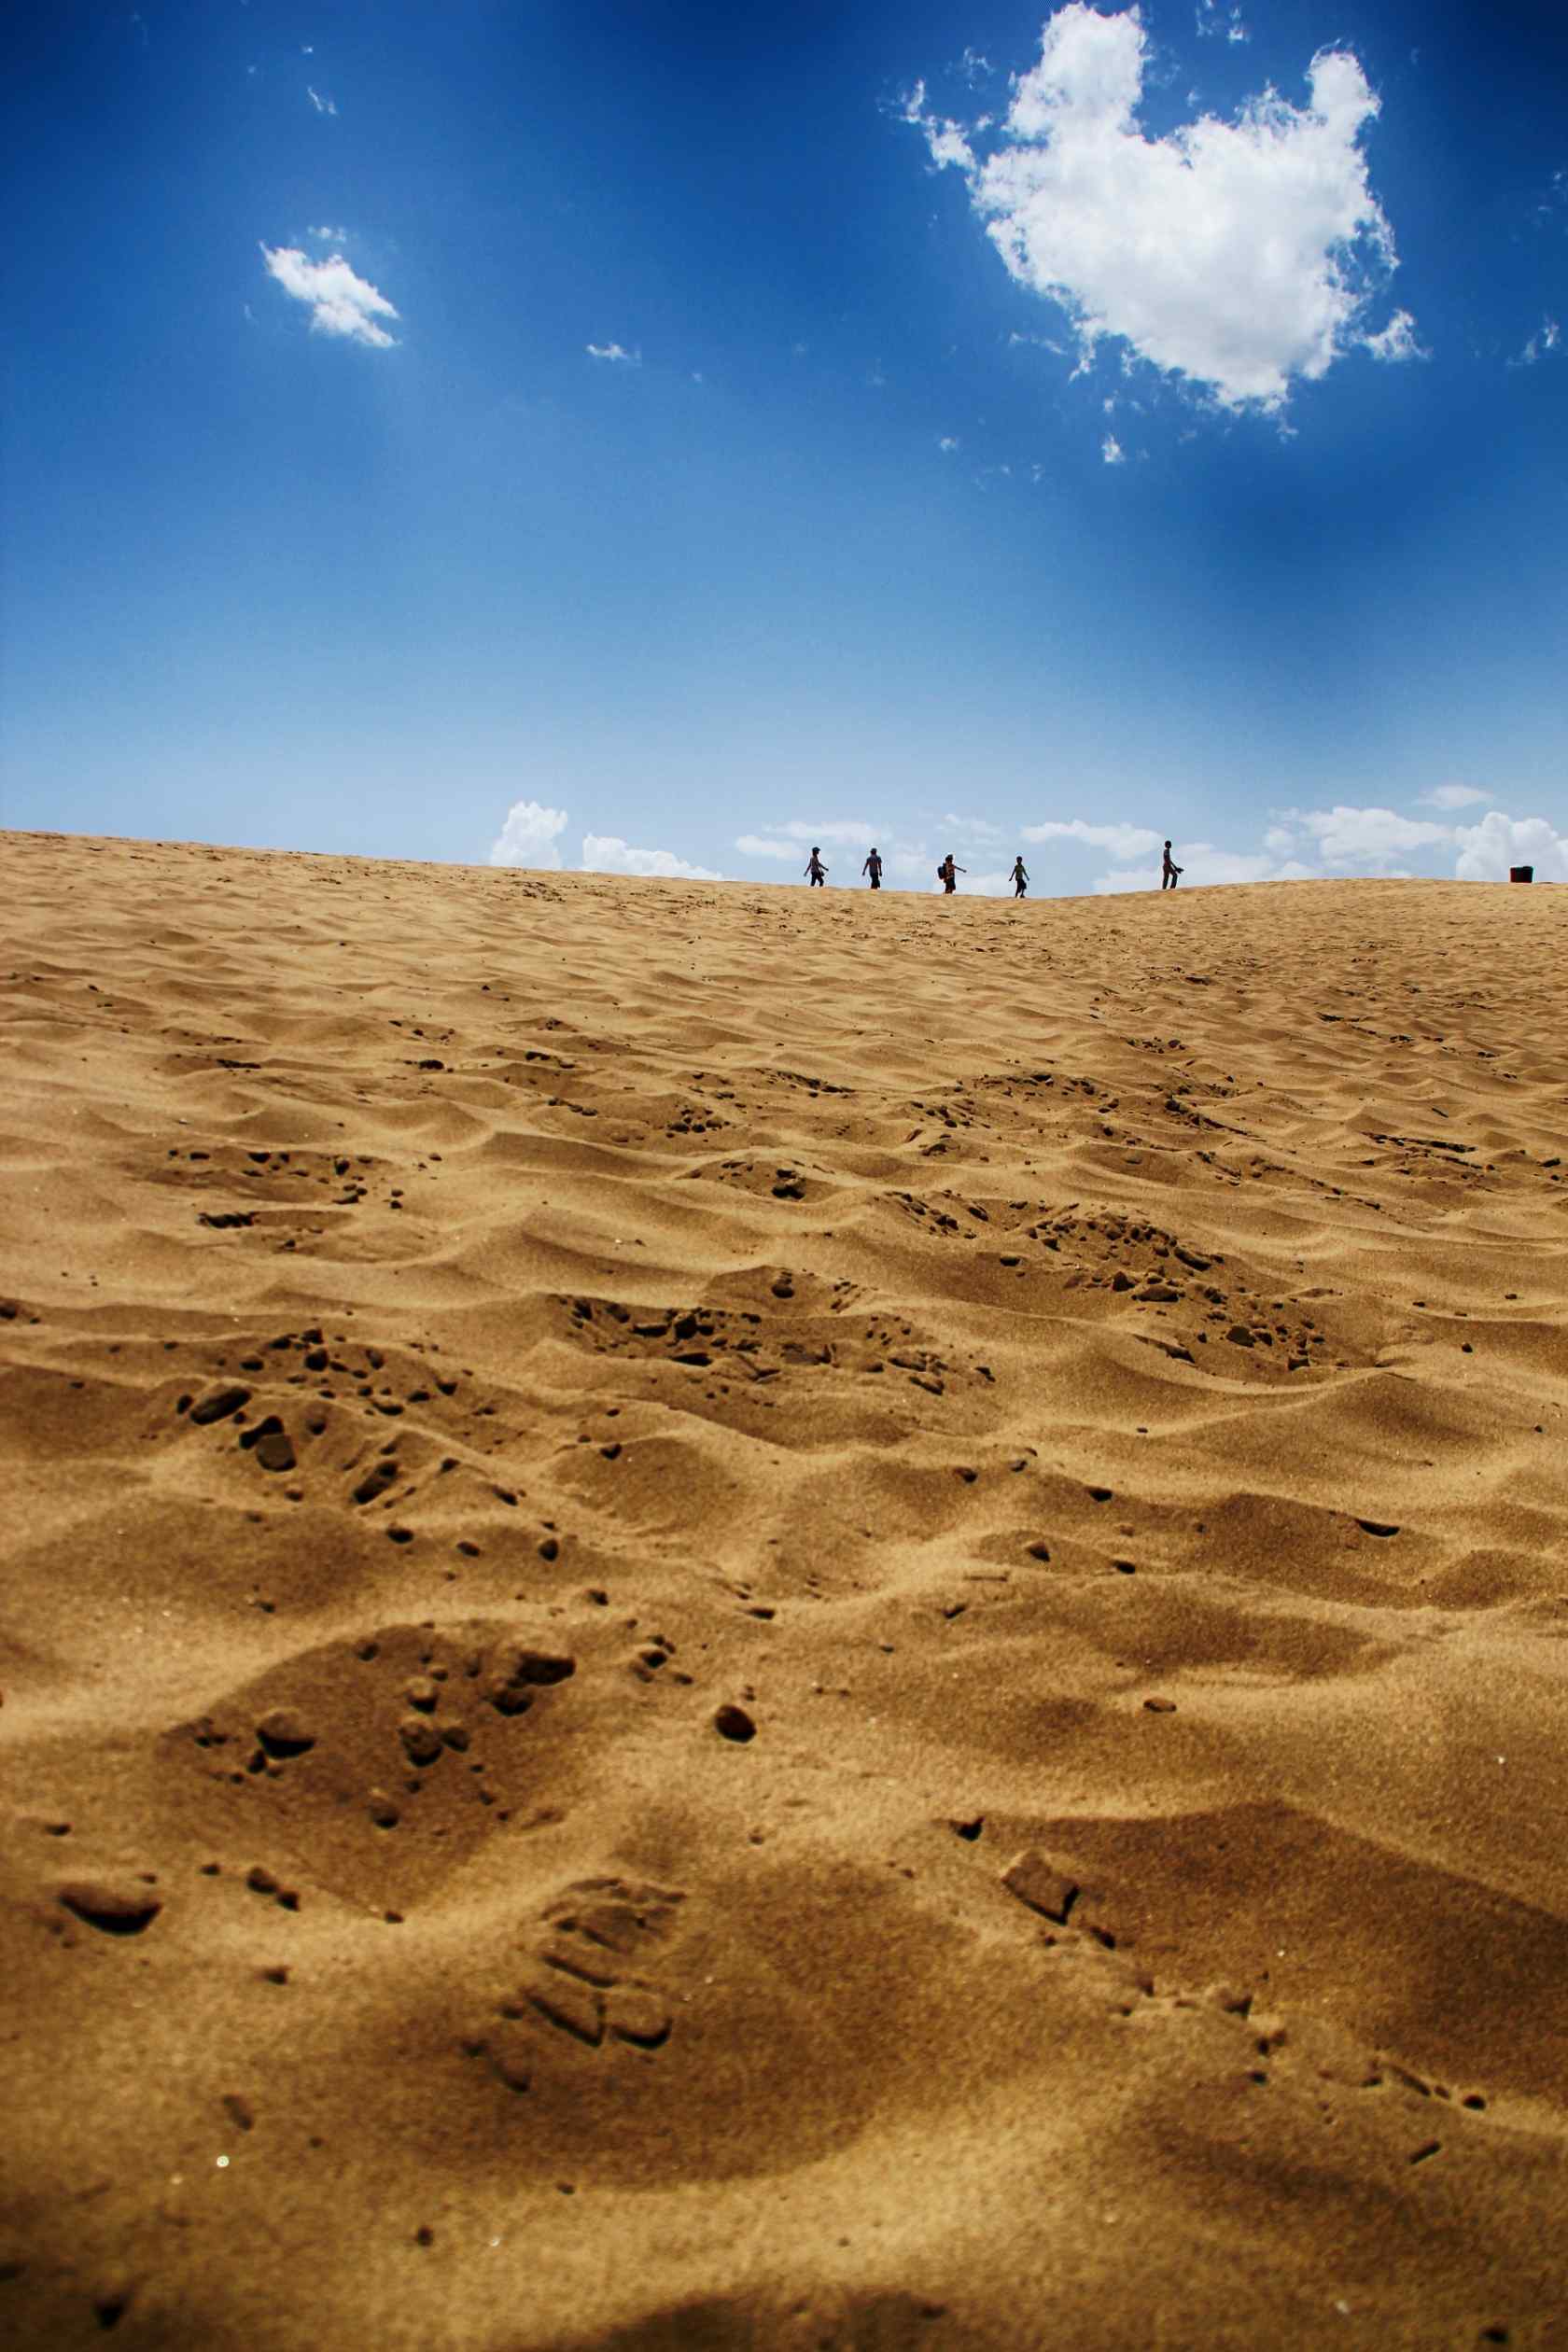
[746, 1618]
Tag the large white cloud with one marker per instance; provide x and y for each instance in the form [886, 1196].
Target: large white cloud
[1118, 841]
[529, 836]
[1367, 839]
[1238, 256]
[340, 301]
[607, 853]
[1487, 850]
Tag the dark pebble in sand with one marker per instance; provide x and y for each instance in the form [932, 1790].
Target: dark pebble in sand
[732, 1723]
[1240, 1336]
[421, 1740]
[282, 1732]
[270, 1443]
[218, 1403]
[115, 1906]
[1160, 1706]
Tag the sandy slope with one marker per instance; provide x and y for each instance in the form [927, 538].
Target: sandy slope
[1086, 1382]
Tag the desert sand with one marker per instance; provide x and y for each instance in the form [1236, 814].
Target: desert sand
[746, 1617]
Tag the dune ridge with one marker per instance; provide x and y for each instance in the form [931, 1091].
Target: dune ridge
[747, 1617]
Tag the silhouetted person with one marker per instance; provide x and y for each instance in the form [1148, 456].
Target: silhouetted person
[815, 872]
[1020, 877]
[873, 867]
[949, 873]
[1168, 871]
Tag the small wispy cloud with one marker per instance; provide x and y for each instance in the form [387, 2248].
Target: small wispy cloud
[1450, 796]
[1548, 337]
[322, 106]
[947, 443]
[1395, 341]
[329, 236]
[1111, 450]
[340, 303]
[1117, 840]
[786, 840]
[615, 353]
[1212, 21]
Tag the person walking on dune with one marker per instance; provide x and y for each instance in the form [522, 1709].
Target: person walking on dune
[1020, 876]
[815, 872]
[873, 867]
[1169, 870]
[947, 874]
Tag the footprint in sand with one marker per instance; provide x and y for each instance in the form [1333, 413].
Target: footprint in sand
[591, 1979]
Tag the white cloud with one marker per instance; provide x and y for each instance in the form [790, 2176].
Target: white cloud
[756, 846]
[605, 853]
[914, 864]
[1239, 257]
[529, 835]
[322, 106]
[1118, 841]
[1202, 863]
[1111, 450]
[330, 236]
[1450, 796]
[1214, 21]
[1487, 850]
[946, 139]
[1396, 341]
[615, 353]
[1364, 838]
[974, 828]
[1548, 337]
[850, 831]
[947, 444]
[340, 303]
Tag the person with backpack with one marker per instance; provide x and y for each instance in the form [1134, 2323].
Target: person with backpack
[947, 873]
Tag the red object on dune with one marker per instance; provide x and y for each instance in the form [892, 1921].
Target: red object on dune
[1522, 874]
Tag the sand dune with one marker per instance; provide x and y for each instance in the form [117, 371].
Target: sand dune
[746, 1618]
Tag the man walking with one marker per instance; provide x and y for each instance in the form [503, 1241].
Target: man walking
[1168, 871]
[1020, 877]
[873, 867]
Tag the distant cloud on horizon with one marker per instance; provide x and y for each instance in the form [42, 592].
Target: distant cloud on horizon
[607, 853]
[1236, 256]
[340, 301]
[531, 837]
[616, 353]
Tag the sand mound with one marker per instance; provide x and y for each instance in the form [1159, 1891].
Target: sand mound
[740, 1618]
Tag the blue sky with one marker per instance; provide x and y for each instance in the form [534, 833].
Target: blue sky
[658, 438]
